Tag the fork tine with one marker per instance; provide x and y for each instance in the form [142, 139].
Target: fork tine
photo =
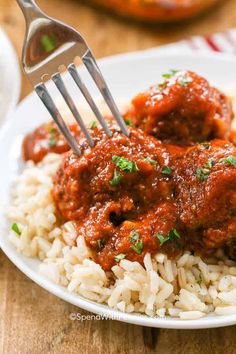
[73, 71]
[47, 100]
[62, 88]
[90, 63]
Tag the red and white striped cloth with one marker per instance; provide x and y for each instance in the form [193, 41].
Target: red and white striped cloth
[224, 42]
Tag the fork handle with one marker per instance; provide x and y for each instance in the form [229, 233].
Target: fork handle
[30, 9]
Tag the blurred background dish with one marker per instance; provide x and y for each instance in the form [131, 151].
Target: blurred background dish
[10, 83]
[108, 35]
[157, 10]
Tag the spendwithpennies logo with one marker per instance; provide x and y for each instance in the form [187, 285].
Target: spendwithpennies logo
[76, 316]
[72, 316]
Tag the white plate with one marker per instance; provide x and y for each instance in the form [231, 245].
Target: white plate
[10, 77]
[127, 75]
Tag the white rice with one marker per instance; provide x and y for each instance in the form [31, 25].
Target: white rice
[187, 288]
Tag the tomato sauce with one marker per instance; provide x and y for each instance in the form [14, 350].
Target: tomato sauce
[46, 139]
[182, 110]
[170, 186]
[120, 186]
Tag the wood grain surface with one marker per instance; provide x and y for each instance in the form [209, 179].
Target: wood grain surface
[32, 321]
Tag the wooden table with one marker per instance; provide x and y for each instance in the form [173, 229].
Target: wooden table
[32, 321]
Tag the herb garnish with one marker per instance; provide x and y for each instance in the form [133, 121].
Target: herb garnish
[119, 257]
[173, 235]
[125, 164]
[116, 178]
[129, 122]
[52, 137]
[209, 164]
[203, 173]
[101, 243]
[170, 74]
[167, 76]
[185, 80]
[16, 229]
[138, 247]
[166, 170]
[231, 160]
[137, 244]
[93, 124]
[151, 161]
[52, 131]
[134, 236]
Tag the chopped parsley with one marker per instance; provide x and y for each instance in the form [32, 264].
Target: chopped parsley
[170, 74]
[125, 164]
[16, 229]
[116, 178]
[119, 257]
[185, 80]
[167, 76]
[231, 160]
[209, 164]
[52, 137]
[134, 237]
[151, 161]
[93, 124]
[173, 235]
[53, 131]
[138, 247]
[203, 173]
[166, 170]
[101, 243]
[137, 244]
[129, 122]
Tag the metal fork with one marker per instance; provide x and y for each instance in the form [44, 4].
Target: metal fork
[48, 45]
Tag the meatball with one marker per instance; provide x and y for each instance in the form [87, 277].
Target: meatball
[182, 110]
[45, 139]
[135, 237]
[119, 195]
[205, 191]
[116, 168]
[132, 236]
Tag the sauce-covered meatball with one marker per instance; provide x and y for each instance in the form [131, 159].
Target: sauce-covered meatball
[45, 139]
[205, 177]
[182, 110]
[117, 167]
[120, 194]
